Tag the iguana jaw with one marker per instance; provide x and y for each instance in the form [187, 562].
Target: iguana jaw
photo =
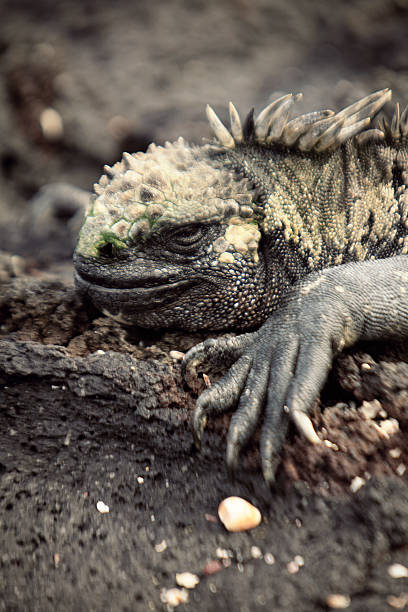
[135, 289]
[128, 301]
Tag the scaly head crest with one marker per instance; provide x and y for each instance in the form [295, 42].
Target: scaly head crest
[167, 186]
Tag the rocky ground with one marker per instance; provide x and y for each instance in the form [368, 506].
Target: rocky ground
[93, 412]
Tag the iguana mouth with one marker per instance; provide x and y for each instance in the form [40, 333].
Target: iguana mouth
[128, 299]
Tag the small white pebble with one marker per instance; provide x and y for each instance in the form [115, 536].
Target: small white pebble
[365, 366]
[292, 567]
[187, 580]
[269, 558]
[336, 601]
[102, 507]
[176, 355]
[396, 570]
[398, 602]
[140, 479]
[99, 352]
[256, 552]
[237, 514]
[331, 445]
[51, 124]
[152, 518]
[395, 453]
[401, 468]
[299, 560]
[357, 483]
[369, 410]
[390, 426]
[387, 428]
[222, 553]
[174, 597]
[161, 547]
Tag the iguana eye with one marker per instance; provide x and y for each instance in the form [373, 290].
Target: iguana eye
[184, 239]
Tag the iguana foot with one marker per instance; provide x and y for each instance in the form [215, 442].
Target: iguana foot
[279, 372]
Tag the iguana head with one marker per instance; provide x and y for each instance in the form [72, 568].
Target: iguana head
[172, 240]
[173, 235]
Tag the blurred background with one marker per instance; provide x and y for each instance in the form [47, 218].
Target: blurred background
[82, 81]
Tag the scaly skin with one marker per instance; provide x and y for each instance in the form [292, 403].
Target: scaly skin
[295, 229]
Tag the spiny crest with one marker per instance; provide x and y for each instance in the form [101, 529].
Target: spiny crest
[317, 131]
[397, 128]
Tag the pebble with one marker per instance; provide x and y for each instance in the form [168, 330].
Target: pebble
[237, 514]
[369, 410]
[161, 547]
[396, 570]
[256, 552]
[212, 567]
[51, 124]
[292, 567]
[336, 601]
[331, 445]
[102, 507]
[187, 580]
[211, 518]
[398, 602]
[269, 558]
[176, 355]
[387, 428]
[222, 553]
[174, 597]
[357, 483]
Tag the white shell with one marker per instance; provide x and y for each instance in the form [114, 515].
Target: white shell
[238, 515]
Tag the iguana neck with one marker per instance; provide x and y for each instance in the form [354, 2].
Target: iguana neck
[324, 209]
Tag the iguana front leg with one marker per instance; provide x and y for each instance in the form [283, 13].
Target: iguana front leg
[282, 367]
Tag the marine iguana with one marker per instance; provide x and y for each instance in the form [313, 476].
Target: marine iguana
[293, 231]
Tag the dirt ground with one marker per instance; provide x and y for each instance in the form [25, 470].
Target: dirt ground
[91, 412]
